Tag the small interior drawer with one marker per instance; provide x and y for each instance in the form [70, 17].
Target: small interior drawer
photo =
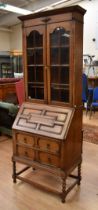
[49, 145]
[25, 152]
[49, 159]
[25, 139]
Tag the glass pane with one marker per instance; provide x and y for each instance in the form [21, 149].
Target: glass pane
[65, 75]
[39, 74]
[39, 56]
[59, 37]
[64, 55]
[38, 39]
[35, 74]
[60, 75]
[54, 38]
[64, 37]
[30, 56]
[35, 92]
[54, 58]
[61, 95]
[34, 39]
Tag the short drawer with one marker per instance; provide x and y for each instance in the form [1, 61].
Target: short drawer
[49, 145]
[25, 139]
[48, 159]
[25, 152]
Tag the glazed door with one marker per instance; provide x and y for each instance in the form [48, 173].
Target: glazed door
[35, 64]
[59, 63]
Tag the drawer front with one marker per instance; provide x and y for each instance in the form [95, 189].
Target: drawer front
[48, 159]
[25, 152]
[49, 145]
[25, 139]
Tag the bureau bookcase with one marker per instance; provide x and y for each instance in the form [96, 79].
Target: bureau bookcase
[47, 132]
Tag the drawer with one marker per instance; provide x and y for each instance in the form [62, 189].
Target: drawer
[48, 159]
[25, 152]
[49, 145]
[25, 139]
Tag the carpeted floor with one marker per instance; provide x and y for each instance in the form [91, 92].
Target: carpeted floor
[90, 133]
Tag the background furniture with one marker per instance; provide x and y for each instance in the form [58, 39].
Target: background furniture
[6, 70]
[16, 61]
[49, 137]
[87, 93]
[84, 88]
[94, 103]
[8, 112]
[9, 103]
[8, 89]
[93, 81]
[20, 91]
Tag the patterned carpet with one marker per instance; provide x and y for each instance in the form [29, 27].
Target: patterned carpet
[90, 133]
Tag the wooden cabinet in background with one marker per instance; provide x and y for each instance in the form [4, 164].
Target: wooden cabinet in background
[7, 89]
[47, 133]
[6, 70]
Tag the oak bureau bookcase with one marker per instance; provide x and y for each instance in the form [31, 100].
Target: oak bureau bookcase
[47, 132]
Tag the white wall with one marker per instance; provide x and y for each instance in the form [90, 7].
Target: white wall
[11, 40]
[16, 38]
[4, 41]
[90, 27]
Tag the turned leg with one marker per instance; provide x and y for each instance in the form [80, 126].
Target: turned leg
[63, 196]
[79, 174]
[14, 172]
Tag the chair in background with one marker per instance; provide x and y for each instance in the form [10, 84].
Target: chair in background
[8, 111]
[87, 93]
[84, 88]
[94, 103]
[20, 91]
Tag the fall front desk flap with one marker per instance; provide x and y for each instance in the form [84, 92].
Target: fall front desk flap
[44, 120]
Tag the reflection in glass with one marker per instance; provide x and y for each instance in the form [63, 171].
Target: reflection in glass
[64, 55]
[35, 56]
[59, 37]
[31, 75]
[30, 57]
